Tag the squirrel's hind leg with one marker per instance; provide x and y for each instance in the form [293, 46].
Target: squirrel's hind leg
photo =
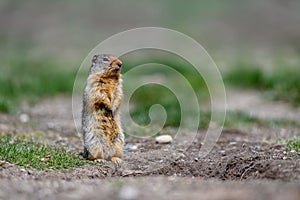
[116, 158]
[117, 161]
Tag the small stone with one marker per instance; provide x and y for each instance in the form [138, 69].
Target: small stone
[2, 162]
[128, 193]
[293, 151]
[196, 159]
[23, 170]
[130, 147]
[24, 118]
[163, 139]
[223, 153]
[232, 143]
[284, 158]
[257, 148]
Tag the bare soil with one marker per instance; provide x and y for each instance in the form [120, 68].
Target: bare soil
[246, 163]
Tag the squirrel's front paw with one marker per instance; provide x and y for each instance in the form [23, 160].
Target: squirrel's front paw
[104, 99]
[107, 103]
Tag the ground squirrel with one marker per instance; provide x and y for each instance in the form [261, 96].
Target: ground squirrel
[102, 133]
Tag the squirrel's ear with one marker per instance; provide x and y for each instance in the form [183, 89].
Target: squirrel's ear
[94, 58]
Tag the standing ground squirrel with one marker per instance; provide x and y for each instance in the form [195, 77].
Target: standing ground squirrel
[102, 133]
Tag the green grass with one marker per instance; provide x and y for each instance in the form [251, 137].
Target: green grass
[242, 119]
[293, 144]
[31, 79]
[177, 63]
[36, 155]
[234, 119]
[146, 96]
[238, 118]
[280, 84]
[283, 83]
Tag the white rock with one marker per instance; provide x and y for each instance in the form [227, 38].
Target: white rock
[223, 153]
[24, 118]
[130, 147]
[23, 170]
[284, 158]
[163, 139]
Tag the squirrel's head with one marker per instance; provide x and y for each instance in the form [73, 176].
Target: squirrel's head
[105, 64]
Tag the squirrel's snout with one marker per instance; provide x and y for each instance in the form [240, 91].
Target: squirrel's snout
[116, 61]
[119, 63]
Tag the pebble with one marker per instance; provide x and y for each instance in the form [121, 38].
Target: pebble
[284, 158]
[257, 148]
[222, 152]
[23, 170]
[24, 118]
[130, 147]
[2, 163]
[29, 172]
[128, 193]
[163, 139]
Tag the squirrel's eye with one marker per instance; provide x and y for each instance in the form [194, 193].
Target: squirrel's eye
[105, 59]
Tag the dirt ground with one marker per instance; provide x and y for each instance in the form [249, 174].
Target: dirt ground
[246, 163]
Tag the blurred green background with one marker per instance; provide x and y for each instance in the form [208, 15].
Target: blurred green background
[256, 44]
